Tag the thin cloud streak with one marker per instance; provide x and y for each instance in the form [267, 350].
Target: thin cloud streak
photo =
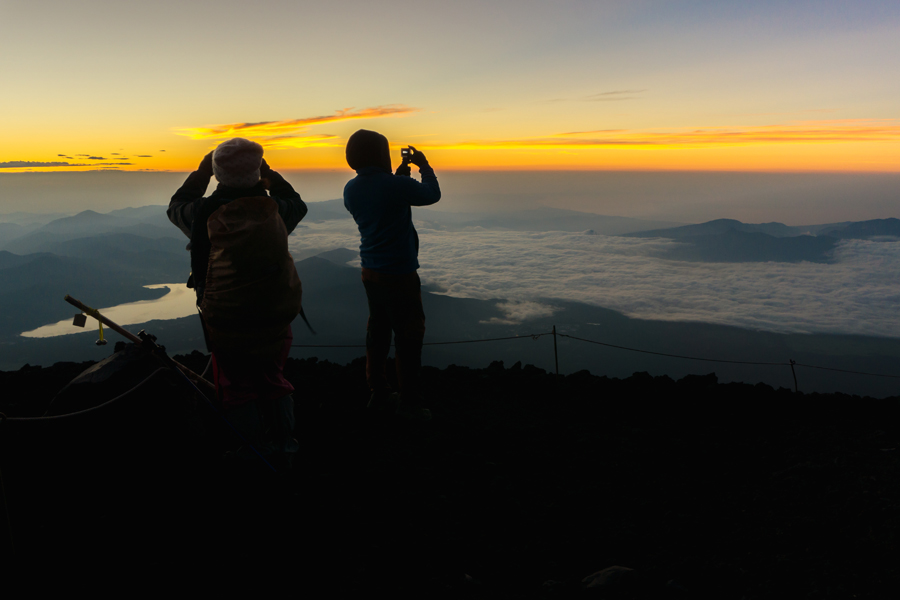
[612, 96]
[27, 164]
[292, 126]
[300, 141]
[31, 164]
[614, 93]
[818, 132]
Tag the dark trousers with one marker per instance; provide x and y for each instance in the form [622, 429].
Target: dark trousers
[395, 304]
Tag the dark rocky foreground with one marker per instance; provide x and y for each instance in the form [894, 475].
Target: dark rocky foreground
[523, 485]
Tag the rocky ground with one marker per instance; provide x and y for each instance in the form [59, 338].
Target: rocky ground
[523, 485]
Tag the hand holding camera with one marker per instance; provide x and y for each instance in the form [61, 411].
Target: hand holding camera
[411, 155]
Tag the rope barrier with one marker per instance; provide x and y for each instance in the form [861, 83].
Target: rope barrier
[535, 336]
[846, 371]
[122, 395]
[93, 408]
[722, 360]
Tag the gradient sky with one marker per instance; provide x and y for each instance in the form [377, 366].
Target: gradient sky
[570, 84]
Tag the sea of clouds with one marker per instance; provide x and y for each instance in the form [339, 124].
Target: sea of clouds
[856, 294]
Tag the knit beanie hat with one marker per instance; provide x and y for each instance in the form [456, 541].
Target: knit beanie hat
[368, 149]
[236, 163]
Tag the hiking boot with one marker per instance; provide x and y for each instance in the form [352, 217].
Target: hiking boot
[383, 401]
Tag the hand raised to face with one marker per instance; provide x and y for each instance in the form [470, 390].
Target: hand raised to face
[417, 158]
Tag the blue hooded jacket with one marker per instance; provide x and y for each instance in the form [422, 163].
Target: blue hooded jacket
[380, 203]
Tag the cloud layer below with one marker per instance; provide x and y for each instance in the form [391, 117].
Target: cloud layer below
[858, 294]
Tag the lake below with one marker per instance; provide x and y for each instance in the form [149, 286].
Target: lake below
[179, 302]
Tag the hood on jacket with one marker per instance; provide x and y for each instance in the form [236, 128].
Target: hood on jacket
[368, 149]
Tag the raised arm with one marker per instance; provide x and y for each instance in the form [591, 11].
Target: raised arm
[290, 206]
[181, 209]
[420, 194]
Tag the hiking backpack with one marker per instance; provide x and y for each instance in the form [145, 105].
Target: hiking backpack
[252, 291]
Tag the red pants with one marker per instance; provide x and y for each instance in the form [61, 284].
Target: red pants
[240, 379]
[395, 304]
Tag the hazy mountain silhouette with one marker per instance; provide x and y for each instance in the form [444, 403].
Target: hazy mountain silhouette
[96, 246]
[728, 240]
[543, 219]
[865, 229]
[29, 220]
[540, 219]
[845, 230]
[8, 259]
[339, 256]
[720, 226]
[109, 269]
[147, 221]
[328, 210]
[11, 231]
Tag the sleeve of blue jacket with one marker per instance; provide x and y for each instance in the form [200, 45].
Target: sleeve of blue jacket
[418, 194]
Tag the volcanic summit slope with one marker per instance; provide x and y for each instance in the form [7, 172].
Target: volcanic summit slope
[523, 484]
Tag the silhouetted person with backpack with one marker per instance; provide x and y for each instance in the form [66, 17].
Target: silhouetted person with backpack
[248, 291]
[380, 202]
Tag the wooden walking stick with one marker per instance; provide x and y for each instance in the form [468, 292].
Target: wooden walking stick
[197, 379]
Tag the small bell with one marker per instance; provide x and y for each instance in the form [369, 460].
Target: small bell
[101, 341]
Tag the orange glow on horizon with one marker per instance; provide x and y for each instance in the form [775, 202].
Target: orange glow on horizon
[855, 145]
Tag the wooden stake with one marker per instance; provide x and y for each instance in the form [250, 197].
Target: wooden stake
[555, 353]
[135, 339]
[794, 373]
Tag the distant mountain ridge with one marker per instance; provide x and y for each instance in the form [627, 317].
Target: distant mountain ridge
[538, 219]
[853, 230]
[104, 269]
[865, 229]
[720, 226]
[729, 240]
[146, 221]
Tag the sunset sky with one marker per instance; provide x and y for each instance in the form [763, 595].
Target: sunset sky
[505, 84]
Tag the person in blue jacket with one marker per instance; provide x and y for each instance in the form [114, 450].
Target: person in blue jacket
[380, 202]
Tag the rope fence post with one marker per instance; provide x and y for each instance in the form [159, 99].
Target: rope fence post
[794, 373]
[556, 334]
[555, 352]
